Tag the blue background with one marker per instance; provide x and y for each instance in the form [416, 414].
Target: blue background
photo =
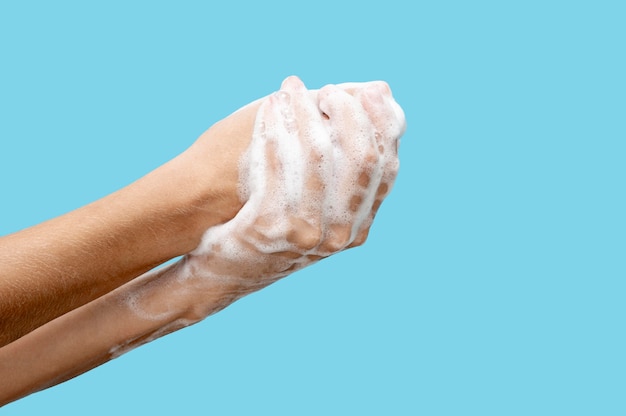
[493, 279]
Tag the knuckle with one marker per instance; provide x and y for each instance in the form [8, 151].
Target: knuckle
[303, 234]
[338, 238]
[371, 157]
[360, 238]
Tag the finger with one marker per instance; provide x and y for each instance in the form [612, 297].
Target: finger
[347, 119]
[357, 164]
[293, 84]
[271, 173]
[307, 225]
[364, 227]
[352, 135]
[389, 122]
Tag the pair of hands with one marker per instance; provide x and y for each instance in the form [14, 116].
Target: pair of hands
[280, 184]
[318, 166]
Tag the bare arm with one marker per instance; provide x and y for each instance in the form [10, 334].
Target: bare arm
[59, 265]
[281, 228]
[82, 339]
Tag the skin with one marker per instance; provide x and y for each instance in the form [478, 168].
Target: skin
[59, 265]
[245, 244]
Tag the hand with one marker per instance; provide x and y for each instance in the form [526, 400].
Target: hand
[317, 169]
[311, 179]
[210, 168]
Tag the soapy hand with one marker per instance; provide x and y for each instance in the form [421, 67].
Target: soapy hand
[318, 167]
[311, 175]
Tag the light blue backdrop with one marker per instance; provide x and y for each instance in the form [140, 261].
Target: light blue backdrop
[493, 279]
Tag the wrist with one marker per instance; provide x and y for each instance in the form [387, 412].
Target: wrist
[207, 173]
[173, 203]
[195, 194]
[197, 189]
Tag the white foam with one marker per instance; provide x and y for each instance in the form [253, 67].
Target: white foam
[294, 142]
[309, 181]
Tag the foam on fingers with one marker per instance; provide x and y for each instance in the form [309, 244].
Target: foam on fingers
[318, 166]
[293, 83]
[334, 159]
[317, 160]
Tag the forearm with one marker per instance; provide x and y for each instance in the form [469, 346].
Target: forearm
[66, 262]
[150, 306]
[284, 225]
